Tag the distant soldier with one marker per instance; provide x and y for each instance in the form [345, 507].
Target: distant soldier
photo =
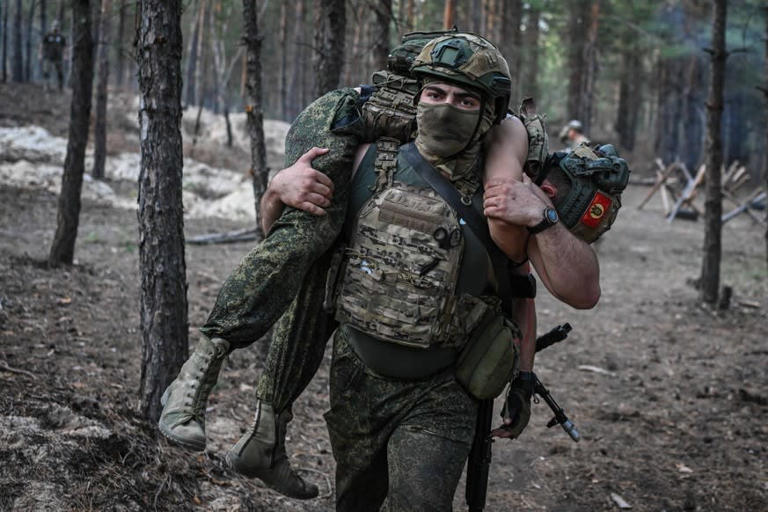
[52, 50]
[572, 134]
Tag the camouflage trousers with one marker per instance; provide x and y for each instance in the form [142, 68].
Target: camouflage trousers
[399, 445]
[284, 276]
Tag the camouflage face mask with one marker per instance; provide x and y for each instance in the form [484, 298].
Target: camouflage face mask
[444, 130]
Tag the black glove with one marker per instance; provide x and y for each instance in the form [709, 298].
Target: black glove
[517, 406]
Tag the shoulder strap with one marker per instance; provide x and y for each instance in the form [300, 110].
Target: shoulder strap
[474, 220]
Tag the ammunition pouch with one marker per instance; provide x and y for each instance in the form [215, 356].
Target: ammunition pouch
[489, 361]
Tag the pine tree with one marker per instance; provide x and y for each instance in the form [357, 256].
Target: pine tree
[63, 247]
[163, 314]
[710, 266]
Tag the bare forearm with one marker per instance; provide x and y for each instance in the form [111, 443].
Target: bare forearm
[567, 266]
[270, 209]
[525, 317]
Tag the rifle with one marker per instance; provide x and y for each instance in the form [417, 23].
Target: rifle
[479, 462]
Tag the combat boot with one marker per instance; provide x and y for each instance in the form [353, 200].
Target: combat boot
[183, 416]
[260, 453]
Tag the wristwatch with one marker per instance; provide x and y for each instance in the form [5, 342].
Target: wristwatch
[550, 219]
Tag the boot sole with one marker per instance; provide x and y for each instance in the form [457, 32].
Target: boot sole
[184, 443]
[232, 462]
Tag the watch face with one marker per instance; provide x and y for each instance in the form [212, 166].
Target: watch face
[551, 215]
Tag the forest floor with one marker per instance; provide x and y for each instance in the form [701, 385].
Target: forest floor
[670, 397]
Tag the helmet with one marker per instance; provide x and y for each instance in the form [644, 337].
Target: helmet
[593, 182]
[573, 124]
[469, 60]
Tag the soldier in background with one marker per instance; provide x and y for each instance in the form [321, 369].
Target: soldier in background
[52, 49]
[572, 134]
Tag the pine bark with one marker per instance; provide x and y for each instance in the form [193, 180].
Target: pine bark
[253, 107]
[382, 15]
[710, 267]
[329, 45]
[17, 63]
[100, 124]
[63, 247]
[163, 312]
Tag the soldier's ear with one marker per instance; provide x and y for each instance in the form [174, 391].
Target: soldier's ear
[548, 188]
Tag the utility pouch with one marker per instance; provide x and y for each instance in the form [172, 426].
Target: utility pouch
[489, 360]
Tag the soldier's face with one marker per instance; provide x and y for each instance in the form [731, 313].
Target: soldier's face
[437, 93]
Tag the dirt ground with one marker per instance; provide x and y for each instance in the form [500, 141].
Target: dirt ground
[670, 397]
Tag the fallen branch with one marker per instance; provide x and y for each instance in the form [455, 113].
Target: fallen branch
[240, 235]
[7, 368]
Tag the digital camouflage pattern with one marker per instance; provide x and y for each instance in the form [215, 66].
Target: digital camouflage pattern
[268, 278]
[399, 443]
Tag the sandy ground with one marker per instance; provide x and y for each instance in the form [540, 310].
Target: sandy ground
[670, 397]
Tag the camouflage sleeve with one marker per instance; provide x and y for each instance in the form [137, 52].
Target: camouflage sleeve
[268, 278]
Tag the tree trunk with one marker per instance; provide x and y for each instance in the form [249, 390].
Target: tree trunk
[576, 43]
[5, 41]
[28, 42]
[529, 86]
[449, 14]
[383, 14]
[692, 122]
[253, 109]
[710, 267]
[329, 45]
[629, 94]
[192, 56]
[43, 18]
[510, 43]
[669, 109]
[63, 247]
[17, 65]
[201, 66]
[297, 81]
[120, 55]
[100, 125]
[164, 323]
[283, 41]
[764, 90]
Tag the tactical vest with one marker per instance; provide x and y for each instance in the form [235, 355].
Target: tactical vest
[405, 277]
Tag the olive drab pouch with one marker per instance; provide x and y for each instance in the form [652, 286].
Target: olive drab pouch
[489, 360]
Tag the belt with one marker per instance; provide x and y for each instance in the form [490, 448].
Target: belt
[398, 361]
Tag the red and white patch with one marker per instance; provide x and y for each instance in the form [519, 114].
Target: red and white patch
[596, 210]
